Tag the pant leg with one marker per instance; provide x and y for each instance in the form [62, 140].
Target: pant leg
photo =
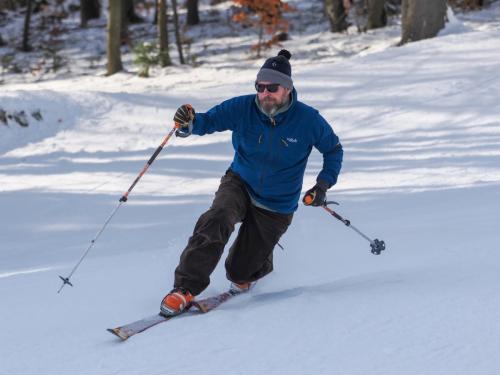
[211, 233]
[251, 255]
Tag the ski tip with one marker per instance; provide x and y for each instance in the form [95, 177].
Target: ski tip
[118, 333]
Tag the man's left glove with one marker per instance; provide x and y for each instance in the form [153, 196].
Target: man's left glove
[316, 196]
[184, 117]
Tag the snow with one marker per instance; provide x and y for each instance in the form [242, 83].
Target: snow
[421, 135]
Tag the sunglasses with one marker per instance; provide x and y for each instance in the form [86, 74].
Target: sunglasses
[271, 87]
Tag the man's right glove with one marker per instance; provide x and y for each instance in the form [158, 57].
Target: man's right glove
[184, 117]
[316, 196]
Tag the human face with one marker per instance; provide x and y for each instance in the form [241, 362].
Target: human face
[272, 101]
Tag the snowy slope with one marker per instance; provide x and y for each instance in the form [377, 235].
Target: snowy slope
[420, 127]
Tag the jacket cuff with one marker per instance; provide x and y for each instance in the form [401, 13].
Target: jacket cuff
[323, 184]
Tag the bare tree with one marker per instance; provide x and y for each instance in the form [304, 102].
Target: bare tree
[377, 15]
[129, 11]
[193, 17]
[9, 4]
[157, 5]
[89, 9]
[368, 14]
[26, 31]
[124, 37]
[163, 33]
[337, 15]
[114, 36]
[422, 19]
[178, 40]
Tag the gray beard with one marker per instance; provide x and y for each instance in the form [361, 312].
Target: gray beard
[272, 109]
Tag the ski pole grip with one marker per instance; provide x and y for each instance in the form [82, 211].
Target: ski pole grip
[153, 157]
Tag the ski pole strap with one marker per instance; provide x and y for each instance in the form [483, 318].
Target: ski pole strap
[124, 197]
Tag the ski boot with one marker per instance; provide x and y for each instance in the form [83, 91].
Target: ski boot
[175, 302]
[236, 288]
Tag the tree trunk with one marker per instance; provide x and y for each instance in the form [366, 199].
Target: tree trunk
[377, 15]
[132, 16]
[114, 36]
[8, 4]
[26, 32]
[337, 15]
[261, 38]
[125, 8]
[157, 5]
[2, 43]
[163, 33]
[193, 17]
[422, 19]
[177, 32]
[89, 9]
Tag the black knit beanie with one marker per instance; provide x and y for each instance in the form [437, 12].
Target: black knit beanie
[277, 70]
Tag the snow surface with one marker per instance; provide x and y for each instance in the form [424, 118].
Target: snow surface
[421, 132]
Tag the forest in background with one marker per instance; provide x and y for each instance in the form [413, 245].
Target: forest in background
[37, 36]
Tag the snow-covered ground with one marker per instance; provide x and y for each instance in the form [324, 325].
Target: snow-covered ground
[421, 132]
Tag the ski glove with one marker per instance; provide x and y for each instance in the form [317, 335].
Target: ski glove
[316, 196]
[184, 117]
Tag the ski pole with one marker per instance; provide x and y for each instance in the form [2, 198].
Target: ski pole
[123, 199]
[377, 246]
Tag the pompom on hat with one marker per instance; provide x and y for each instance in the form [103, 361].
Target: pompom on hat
[277, 70]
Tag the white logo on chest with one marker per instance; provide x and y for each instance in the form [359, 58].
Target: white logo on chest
[292, 140]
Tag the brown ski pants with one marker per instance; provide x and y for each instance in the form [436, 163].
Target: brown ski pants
[251, 255]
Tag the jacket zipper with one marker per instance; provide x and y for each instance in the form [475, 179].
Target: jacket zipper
[273, 123]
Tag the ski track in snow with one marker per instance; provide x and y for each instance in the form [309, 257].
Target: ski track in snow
[421, 133]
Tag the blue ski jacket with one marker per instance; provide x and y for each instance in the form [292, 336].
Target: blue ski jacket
[271, 153]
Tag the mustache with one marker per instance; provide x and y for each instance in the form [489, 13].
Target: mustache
[269, 99]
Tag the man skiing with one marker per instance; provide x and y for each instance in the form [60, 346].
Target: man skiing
[273, 135]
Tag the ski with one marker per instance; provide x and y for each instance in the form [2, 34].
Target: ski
[208, 304]
[203, 306]
[128, 330]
